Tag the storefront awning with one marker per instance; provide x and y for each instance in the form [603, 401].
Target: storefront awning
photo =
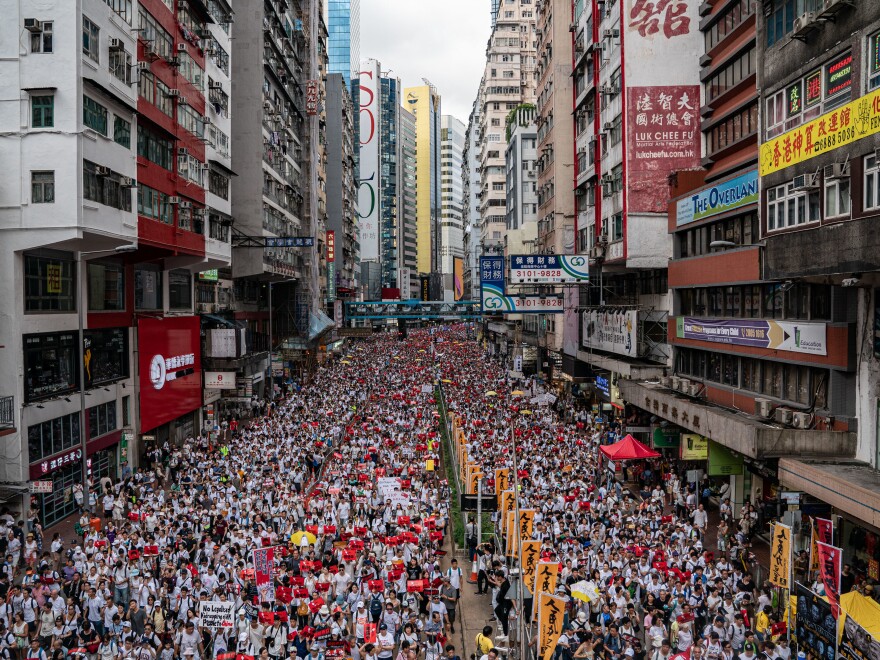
[850, 486]
[742, 433]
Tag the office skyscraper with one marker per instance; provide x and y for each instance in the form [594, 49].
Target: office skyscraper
[344, 44]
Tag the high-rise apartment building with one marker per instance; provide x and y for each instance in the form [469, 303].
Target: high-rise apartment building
[555, 160]
[342, 238]
[636, 122]
[471, 204]
[451, 200]
[424, 103]
[508, 81]
[119, 119]
[407, 242]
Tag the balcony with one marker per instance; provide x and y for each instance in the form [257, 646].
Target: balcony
[7, 413]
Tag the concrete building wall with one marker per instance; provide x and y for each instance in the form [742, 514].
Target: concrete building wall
[451, 199]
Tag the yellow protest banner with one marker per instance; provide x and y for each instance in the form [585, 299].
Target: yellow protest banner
[510, 533]
[531, 552]
[502, 479]
[551, 610]
[780, 556]
[526, 523]
[840, 127]
[545, 577]
[814, 549]
[476, 475]
[429, 465]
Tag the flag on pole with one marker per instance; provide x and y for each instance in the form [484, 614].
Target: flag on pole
[830, 561]
[780, 556]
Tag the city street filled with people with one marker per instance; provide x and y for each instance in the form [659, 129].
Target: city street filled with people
[322, 529]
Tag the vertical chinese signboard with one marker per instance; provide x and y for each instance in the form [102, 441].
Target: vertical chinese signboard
[331, 265]
[312, 97]
[662, 102]
[780, 556]
[368, 175]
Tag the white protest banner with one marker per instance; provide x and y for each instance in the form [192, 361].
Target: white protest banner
[216, 614]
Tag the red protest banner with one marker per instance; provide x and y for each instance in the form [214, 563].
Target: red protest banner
[830, 562]
[264, 562]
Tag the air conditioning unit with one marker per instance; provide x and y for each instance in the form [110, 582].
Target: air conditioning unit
[675, 381]
[209, 49]
[782, 415]
[174, 199]
[607, 126]
[116, 44]
[763, 408]
[684, 384]
[174, 92]
[181, 48]
[173, 61]
[804, 23]
[836, 4]
[127, 182]
[215, 85]
[185, 204]
[597, 252]
[102, 170]
[804, 182]
[33, 25]
[665, 381]
[836, 171]
[800, 420]
[694, 389]
[182, 151]
[204, 33]
[608, 90]
[607, 179]
[611, 34]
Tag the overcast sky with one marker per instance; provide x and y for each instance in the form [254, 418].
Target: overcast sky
[444, 42]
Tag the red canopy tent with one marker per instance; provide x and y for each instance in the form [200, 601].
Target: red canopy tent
[628, 449]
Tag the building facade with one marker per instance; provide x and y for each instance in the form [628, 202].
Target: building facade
[471, 207]
[344, 37]
[424, 103]
[407, 242]
[451, 201]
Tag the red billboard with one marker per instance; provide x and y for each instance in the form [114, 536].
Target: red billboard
[663, 136]
[170, 365]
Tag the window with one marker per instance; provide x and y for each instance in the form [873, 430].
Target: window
[42, 187]
[731, 74]
[126, 411]
[41, 42]
[102, 185]
[872, 183]
[53, 437]
[106, 356]
[122, 9]
[781, 14]
[119, 63]
[147, 87]
[101, 419]
[164, 101]
[788, 207]
[122, 132]
[48, 282]
[90, 43]
[179, 289]
[42, 111]
[190, 70]
[191, 120]
[837, 199]
[733, 129]
[94, 115]
[155, 148]
[218, 184]
[106, 287]
[50, 365]
[154, 204]
[728, 21]
[147, 287]
[154, 37]
[617, 227]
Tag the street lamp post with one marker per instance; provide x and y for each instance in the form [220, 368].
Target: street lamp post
[80, 307]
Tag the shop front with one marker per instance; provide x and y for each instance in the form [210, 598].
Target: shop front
[170, 383]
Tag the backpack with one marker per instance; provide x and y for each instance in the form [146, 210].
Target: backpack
[375, 606]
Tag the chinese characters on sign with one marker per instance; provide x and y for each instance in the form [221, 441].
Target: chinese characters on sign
[290, 241]
[72, 456]
[545, 577]
[780, 556]
[531, 552]
[548, 268]
[264, 560]
[551, 611]
[664, 138]
[312, 97]
[829, 571]
[649, 17]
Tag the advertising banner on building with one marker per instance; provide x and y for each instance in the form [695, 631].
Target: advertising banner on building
[548, 269]
[457, 277]
[722, 461]
[170, 366]
[791, 336]
[219, 380]
[694, 447]
[264, 562]
[331, 266]
[663, 136]
[721, 198]
[612, 330]
[496, 301]
[368, 174]
[815, 627]
[838, 128]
